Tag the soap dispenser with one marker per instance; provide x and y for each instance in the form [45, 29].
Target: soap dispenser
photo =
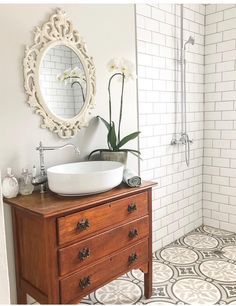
[10, 186]
[26, 186]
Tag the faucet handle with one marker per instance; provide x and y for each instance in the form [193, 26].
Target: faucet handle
[39, 180]
[40, 146]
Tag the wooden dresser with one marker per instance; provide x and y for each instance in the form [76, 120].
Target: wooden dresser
[66, 248]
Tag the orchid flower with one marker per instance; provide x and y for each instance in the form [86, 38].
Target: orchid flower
[123, 66]
[73, 76]
[122, 70]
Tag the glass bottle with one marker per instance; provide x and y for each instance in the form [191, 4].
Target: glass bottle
[26, 186]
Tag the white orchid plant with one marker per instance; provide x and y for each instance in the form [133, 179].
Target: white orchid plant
[73, 76]
[123, 70]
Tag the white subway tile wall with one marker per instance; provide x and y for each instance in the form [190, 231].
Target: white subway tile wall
[177, 200]
[219, 179]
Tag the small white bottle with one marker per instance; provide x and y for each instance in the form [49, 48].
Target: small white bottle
[10, 186]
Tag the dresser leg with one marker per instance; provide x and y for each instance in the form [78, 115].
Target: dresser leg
[148, 281]
[148, 275]
[21, 297]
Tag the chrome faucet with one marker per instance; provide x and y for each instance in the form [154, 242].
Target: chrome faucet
[42, 178]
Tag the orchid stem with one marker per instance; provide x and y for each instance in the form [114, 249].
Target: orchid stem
[109, 91]
[76, 82]
[121, 105]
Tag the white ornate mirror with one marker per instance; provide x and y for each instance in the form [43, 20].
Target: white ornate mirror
[59, 76]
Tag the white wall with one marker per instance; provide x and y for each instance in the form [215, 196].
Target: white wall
[177, 205]
[109, 31]
[219, 205]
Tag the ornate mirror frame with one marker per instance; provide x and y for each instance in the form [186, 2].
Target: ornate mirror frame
[57, 31]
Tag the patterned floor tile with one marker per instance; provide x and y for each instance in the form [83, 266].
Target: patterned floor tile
[196, 291]
[198, 268]
[119, 292]
[179, 255]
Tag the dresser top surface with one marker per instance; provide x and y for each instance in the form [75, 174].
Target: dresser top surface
[50, 204]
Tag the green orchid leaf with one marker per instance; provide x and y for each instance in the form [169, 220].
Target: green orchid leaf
[94, 151]
[111, 137]
[130, 150]
[105, 122]
[136, 155]
[98, 150]
[127, 139]
[134, 152]
[108, 126]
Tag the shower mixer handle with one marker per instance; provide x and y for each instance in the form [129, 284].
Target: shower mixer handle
[173, 142]
[184, 138]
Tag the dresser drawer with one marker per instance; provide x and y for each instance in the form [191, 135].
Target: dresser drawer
[80, 284]
[83, 224]
[79, 255]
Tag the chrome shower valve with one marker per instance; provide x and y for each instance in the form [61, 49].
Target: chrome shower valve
[184, 138]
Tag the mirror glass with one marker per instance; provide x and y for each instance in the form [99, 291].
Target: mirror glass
[62, 81]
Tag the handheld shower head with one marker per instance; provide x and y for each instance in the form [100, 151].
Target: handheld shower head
[190, 40]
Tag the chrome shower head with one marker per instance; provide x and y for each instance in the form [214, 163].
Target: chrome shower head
[190, 40]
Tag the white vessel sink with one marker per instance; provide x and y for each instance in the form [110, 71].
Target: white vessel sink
[83, 178]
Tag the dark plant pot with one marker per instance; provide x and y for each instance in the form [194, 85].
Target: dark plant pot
[119, 156]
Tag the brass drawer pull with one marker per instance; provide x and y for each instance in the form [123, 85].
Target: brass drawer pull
[84, 282]
[132, 207]
[83, 224]
[132, 258]
[84, 253]
[133, 233]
